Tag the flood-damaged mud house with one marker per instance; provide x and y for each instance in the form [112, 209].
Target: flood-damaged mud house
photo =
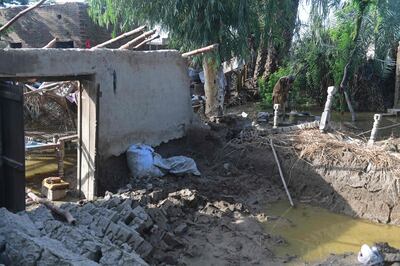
[111, 106]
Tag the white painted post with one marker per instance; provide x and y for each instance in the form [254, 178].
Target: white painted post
[276, 114]
[374, 132]
[326, 115]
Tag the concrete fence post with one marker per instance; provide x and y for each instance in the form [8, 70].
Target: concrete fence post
[374, 132]
[276, 115]
[326, 115]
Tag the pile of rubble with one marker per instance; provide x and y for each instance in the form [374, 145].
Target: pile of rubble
[155, 223]
[114, 230]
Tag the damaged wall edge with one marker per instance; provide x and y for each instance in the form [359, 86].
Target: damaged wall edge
[151, 104]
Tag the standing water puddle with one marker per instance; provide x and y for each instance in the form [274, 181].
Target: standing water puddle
[314, 233]
[40, 166]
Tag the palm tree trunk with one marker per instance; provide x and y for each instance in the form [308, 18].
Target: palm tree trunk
[278, 51]
[261, 59]
[213, 91]
[346, 73]
[272, 62]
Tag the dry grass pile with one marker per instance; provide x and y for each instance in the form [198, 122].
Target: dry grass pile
[331, 149]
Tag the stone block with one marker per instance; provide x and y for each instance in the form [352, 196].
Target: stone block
[124, 233]
[135, 240]
[103, 223]
[21, 223]
[54, 188]
[113, 202]
[144, 249]
[181, 229]
[113, 256]
[112, 231]
[159, 217]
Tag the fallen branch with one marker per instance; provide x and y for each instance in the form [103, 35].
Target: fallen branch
[121, 37]
[46, 88]
[137, 39]
[51, 43]
[201, 50]
[281, 173]
[65, 214]
[146, 41]
[304, 126]
[20, 14]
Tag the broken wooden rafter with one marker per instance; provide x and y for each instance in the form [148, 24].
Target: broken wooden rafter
[46, 88]
[43, 147]
[137, 39]
[20, 14]
[69, 138]
[65, 214]
[146, 41]
[122, 36]
[201, 50]
[51, 43]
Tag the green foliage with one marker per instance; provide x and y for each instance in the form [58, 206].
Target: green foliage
[191, 24]
[338, 30]
[297, 97]
[323, 51]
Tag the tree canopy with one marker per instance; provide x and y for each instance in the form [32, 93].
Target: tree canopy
[191, 24]
[339, 33]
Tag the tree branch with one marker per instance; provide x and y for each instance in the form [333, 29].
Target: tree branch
[20, 14]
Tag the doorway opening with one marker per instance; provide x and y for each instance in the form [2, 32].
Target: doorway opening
[55, 115]
[51, 137]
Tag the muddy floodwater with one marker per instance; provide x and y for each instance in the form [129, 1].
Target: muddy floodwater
[363, 123]
[313, 233]
[40, 166]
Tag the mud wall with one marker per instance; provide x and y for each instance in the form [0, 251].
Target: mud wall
[127, 96]
[355, 189]
[69, 21]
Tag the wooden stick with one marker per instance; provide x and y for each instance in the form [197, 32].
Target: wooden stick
[122, 37]
[30, 87]
[69, 138]
[20, 14]
[137, 39]
[60, 154]
[146, 41]
[281, 173]
[51, 43]
[45, 88]
[201, 50]
[49, 146]
[66, 214]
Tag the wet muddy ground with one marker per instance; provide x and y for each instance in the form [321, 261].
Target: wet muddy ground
[41, 166]
[313, 233]
[236, 213]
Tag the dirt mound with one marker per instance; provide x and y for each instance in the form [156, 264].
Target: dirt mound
[215, 219]
[334, 171]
